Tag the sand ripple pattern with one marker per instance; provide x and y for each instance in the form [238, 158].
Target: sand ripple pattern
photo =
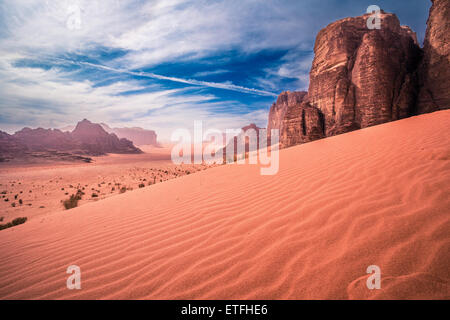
[379, 196]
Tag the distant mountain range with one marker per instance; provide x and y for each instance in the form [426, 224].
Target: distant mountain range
[87, 138]
[136, 135]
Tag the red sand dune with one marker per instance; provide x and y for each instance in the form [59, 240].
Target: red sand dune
[379, 196]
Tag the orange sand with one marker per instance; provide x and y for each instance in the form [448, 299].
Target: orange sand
[43, 187]
[379, 196]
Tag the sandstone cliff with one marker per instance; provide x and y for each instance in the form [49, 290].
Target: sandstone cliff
[362, 77]
[434, 73]
[278, 109]
[296, 120]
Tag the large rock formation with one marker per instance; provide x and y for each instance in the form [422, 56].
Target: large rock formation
[137, 135]
[434, 73]
[362, 77]
[95, 139]
[278, 110]
[296, 120]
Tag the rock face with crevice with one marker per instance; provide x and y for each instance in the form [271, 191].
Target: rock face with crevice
[278, 110]
[362, 77]
[296, 120]
[434, 72]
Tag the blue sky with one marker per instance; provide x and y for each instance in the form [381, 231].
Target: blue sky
[162, 64]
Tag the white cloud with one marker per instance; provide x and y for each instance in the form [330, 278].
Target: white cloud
[50, 98]
[209, 73]
[153, 31]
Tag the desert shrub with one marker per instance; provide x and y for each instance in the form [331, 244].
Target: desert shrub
[123, 189]
[20, 201]
[72, 202]
[13, 223]
[94, 195]
[141, 185]
[13, 204]
[1, 219]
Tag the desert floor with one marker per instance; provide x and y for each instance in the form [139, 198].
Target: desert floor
[34, 190]
[377, 196]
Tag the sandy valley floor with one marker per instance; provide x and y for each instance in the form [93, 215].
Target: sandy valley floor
[34, 190]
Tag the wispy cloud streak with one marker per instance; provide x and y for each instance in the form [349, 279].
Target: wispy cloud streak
[193, 82]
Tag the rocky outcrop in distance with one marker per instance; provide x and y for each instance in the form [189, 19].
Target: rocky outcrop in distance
[137, 135]
[86, 139]
[242, 139]
[362, 77]
[95, 139]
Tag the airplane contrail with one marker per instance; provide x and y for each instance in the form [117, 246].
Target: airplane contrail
[218, 85]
